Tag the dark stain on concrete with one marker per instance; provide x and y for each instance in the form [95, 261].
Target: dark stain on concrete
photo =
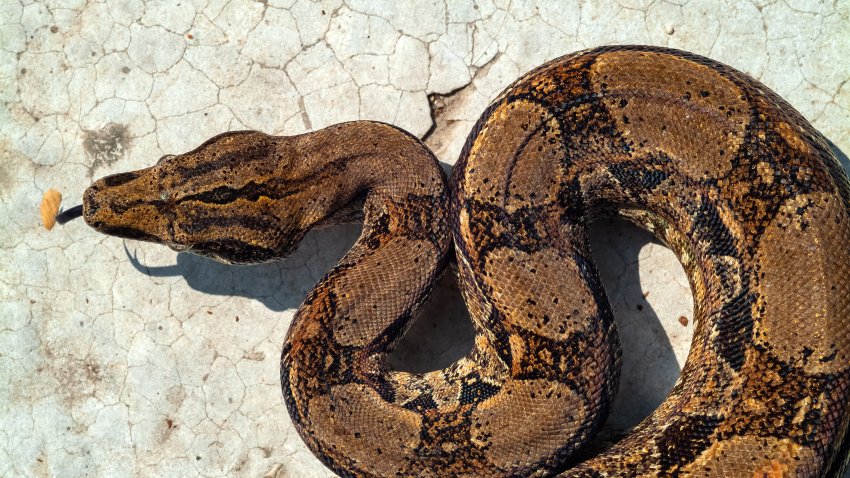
[106, 145]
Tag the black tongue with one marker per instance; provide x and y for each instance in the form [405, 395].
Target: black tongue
[69, 214]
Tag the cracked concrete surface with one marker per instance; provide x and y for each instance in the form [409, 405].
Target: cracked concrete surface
[141, 362]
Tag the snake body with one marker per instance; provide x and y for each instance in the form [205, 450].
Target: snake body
[727, 174]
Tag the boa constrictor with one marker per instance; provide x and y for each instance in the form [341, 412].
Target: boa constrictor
[745, 192]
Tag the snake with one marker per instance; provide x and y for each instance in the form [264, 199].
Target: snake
[746, 193]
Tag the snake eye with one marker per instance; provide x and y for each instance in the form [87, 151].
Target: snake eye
[164, 158]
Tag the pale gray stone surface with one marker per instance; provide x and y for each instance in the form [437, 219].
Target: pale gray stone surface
[168, 366]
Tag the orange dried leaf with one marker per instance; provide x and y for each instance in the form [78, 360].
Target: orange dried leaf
[50, 207]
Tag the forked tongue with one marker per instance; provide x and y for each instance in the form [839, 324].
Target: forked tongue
[69, 214]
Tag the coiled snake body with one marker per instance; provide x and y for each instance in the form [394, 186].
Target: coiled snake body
[737, 183]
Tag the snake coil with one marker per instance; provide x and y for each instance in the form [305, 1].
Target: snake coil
[742, 188]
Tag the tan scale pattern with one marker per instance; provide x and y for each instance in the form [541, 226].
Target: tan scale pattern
[350, 417]
[383, 295]
[766, 457]
[551, 408]
[683, 99]
[800, 327]
[737, 183]
[549, 311]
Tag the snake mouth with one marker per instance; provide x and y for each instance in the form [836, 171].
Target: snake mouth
[178, 247]
[126, 232]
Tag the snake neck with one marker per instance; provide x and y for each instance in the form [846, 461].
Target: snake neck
[404, 240]
[361, 160]
[354, 316]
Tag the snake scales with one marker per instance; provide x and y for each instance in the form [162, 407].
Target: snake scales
[726, 173]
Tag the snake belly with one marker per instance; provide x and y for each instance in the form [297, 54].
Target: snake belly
[727, 174]
[745, 192]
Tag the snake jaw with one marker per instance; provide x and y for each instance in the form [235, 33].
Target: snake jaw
[176, 247]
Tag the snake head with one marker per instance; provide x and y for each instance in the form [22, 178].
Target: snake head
[223, 200]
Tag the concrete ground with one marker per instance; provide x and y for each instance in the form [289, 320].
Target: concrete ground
[126, 359]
